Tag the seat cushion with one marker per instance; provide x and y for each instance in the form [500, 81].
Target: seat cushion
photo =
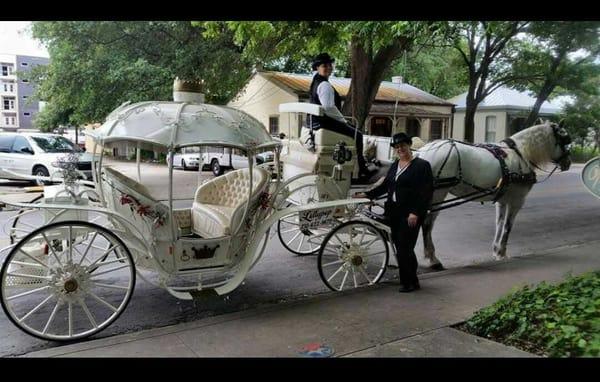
[211, 220]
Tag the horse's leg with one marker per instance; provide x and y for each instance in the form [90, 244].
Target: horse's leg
[512, 209]
[500, 217]
[427, 228]
[428, 247]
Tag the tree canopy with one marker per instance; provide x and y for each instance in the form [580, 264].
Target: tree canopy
[96, 66]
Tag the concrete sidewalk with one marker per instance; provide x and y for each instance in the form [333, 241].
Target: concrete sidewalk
[372, 322]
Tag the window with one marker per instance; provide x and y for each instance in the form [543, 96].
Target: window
[6, 120]
[24, 64]
[27, 113]
[12, 121]
[381, 126]
[25, 97]
[20, 144]
[12, 88]
[274, 124]
[6, 70]
[5, 87]
[490, 128]
[9, 104]
[24, 80]
[436, 130]
[6, 142]
[413, 127]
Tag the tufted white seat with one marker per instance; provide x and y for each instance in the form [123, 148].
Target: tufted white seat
[219, 204]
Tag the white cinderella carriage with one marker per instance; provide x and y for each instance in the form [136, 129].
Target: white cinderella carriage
[73, 275]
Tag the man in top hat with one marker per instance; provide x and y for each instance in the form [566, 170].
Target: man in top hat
[409, 187]
[322, 93]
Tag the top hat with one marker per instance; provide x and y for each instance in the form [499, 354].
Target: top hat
[401, 138]
[322, 58]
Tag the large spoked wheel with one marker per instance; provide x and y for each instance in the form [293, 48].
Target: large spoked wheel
[353, 254]
[67, 281]
[295, 235]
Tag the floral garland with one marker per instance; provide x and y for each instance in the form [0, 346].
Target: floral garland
[142, 210]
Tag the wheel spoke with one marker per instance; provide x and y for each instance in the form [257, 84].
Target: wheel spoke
[344, 280]
[70, 319]
[374, 254]
[88, 314]
[289, 230]
[88, 247]
[70, 258]
[35, 309]
[52, 315]
[110, 270]
[301, 242]
[26, 264]
[365, 274]
[33, 258]
[51, 249]
[333, 263]
[294, 238]
[335, 273]
[354, 278]
[103, 302]
[104, 255]
[110, 286]
[28, 292]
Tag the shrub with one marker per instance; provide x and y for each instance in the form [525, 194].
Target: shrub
[556, 320]
[582, 154]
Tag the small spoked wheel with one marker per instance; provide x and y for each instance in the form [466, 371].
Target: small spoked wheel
[353, 254]
[295, 234]
[67, 281]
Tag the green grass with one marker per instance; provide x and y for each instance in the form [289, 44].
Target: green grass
[554, 320]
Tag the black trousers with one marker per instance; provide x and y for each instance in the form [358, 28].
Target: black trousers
[344, 129]
[405, 239]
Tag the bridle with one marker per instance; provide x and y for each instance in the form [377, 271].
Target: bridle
[562, 139]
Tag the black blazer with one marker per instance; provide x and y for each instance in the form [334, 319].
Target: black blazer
[413, 188]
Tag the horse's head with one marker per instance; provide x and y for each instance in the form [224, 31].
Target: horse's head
[561, 155]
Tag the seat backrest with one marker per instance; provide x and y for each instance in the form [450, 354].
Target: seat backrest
[231, 189]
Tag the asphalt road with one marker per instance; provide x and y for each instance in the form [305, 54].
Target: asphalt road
[557, 212]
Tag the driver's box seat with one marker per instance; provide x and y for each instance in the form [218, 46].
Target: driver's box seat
[219, 204]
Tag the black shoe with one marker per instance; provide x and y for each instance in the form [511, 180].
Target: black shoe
[416, 285]
[407, 288]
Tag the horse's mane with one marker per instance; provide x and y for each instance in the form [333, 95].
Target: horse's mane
[536, 143]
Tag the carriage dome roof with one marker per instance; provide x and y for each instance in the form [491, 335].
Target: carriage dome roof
[180, 124]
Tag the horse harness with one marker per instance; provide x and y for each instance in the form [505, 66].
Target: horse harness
[500, 188]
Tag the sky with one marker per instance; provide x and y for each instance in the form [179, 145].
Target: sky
[15, 38]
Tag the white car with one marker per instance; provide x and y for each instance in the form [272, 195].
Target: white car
[187, 158]
[36, 154]
[219, 159]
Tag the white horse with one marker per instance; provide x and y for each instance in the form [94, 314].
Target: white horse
[467, 167]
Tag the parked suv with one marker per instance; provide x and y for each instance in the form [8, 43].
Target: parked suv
[35, 154]
[187, 158]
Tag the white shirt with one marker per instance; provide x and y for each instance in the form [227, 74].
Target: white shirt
[398, 173]
[327, 97]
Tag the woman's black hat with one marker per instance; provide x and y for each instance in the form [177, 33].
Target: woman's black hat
[401, 138]
[322, 58]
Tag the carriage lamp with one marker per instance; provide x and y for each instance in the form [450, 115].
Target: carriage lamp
[341, 154]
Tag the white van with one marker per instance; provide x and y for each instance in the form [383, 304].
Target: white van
[35, 154]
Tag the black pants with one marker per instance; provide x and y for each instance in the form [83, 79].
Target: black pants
[405, 239]
[344, 129]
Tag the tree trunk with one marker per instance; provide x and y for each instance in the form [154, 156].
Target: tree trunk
[535, 111]
[367, 74]
[470, 123]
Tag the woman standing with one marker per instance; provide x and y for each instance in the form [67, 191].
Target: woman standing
[409, 187]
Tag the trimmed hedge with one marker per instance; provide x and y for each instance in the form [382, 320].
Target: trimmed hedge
[555, 320]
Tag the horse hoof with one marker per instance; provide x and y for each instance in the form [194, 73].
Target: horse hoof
[437, 267]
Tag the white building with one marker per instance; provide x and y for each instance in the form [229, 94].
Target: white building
[417, 112]
[499, 115]
[17, 109]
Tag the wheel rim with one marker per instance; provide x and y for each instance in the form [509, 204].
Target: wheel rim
[353, 255]
[67, 281]
[40, 182]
